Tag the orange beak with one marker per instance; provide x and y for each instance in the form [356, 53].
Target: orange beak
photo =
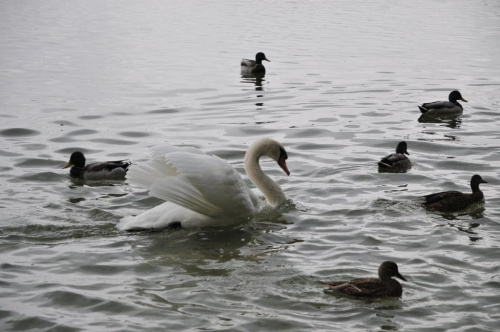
[284, 167]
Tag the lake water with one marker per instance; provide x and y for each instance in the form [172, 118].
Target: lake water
[117, 77]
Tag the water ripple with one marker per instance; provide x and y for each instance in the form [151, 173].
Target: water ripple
[341, 91]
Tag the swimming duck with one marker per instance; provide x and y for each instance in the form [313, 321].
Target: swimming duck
[254, 67]
[450, 107]
[111, 170]
[450, 201]
[382, 286]
[203, 190]
[396, 161]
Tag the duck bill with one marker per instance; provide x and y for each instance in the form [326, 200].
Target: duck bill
[407, 153]
[400, 277]
[482, 181]
[464, 100]
[68, 164]
[284, 167]
[266, 59]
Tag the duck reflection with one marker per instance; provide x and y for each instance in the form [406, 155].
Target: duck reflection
[256, 80]
[459, 220]
[475, 211]
[469, 229]
[450, 121]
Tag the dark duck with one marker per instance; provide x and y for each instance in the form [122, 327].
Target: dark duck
[110, 170]
[396, 161]
[254, 67]
[383, 286]
[451, 201]
[450, 107]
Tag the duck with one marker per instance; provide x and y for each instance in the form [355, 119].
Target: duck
[383, 286]
[450, 107]
[397, 161]
[203, 190]
[254, 67]
[452, 201]
[107, 170]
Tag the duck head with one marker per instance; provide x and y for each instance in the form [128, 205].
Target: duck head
[77, 159]
[402, 148]
[475, 181]
[259, 57]
[389, 269]
[456, 95]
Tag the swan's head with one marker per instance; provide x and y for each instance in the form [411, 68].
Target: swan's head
[270, 148]
[282, 159]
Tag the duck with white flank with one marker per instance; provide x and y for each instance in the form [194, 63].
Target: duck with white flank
[254, 67]
[106, 170]
[450, 107]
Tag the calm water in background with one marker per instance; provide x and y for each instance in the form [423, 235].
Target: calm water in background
[114, 78]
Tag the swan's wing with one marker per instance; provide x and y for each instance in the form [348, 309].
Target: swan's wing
[157, 167]
[212, 181]
[199, 182]
[146, 174]
[163, 149]
[178, 190]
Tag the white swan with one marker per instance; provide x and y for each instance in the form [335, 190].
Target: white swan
[202, 190]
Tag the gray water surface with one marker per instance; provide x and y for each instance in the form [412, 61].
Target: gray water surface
[114, 78]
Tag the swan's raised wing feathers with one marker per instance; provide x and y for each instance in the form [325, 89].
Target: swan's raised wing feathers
[146, 174]
[163, 149]
[199, 182]
[215, 179]
[179, 191]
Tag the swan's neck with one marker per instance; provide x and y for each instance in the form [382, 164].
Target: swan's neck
[271, 190]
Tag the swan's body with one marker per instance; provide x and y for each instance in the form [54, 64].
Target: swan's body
[202, 190]
[396, 161]
[451, 201]
[450, 107]
[254, 67]
[382, 286]
[106, 170]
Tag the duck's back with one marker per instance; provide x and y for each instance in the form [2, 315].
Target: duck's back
[102, 170]
[395, 160]
[438, 104]
[441, 107]
[368, 287]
